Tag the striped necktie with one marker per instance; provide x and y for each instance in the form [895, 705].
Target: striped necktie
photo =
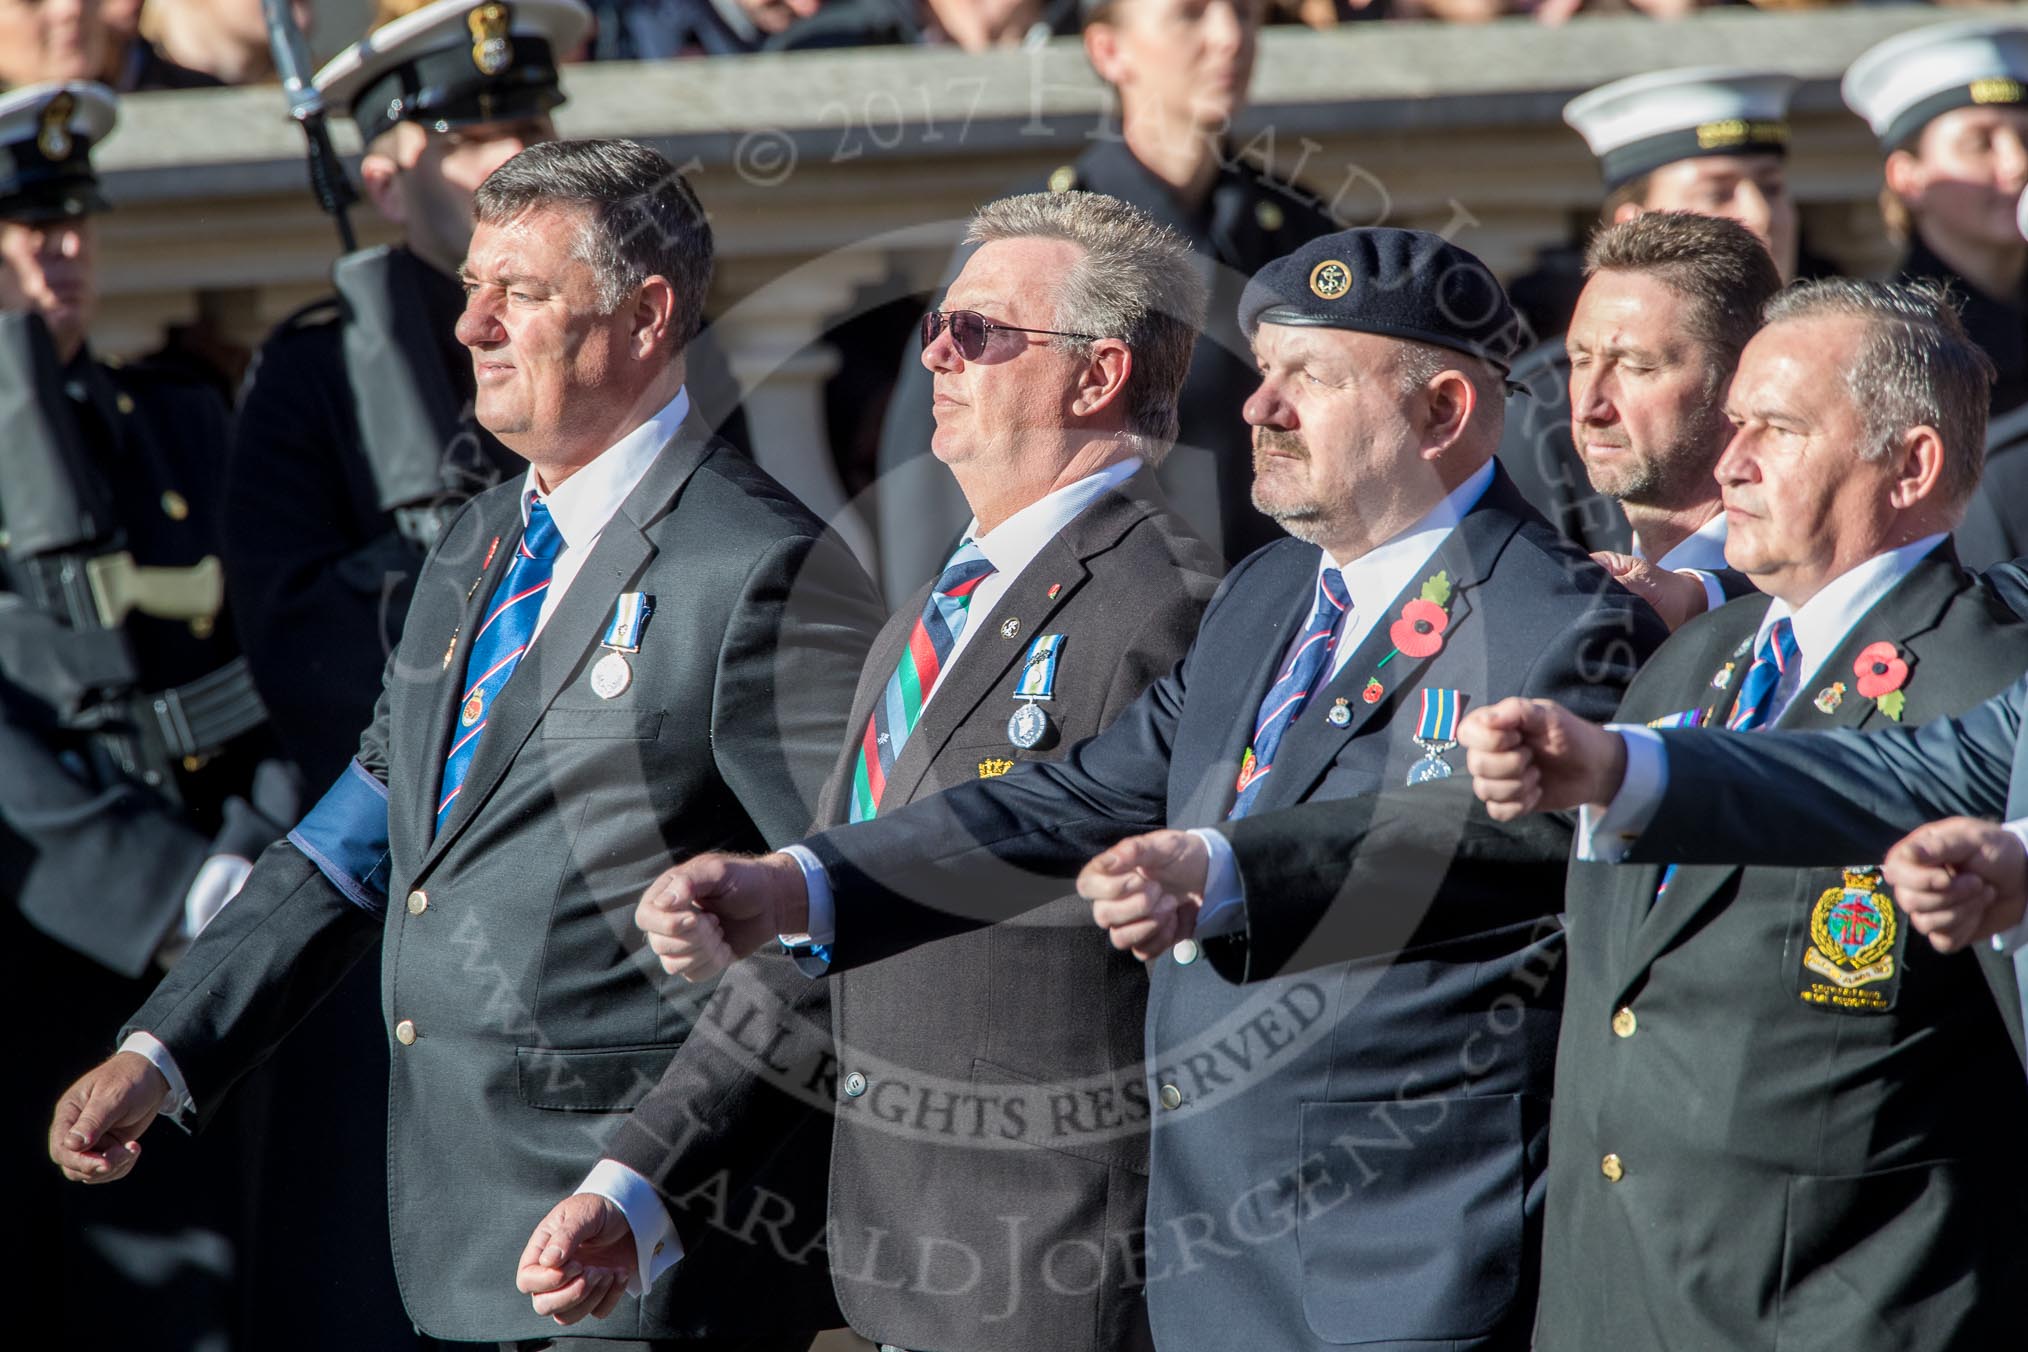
[1754, 709]
[1309, 659]
[504, 635]
[908, 690]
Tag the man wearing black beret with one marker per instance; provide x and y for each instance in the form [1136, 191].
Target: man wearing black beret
[1349, 1109]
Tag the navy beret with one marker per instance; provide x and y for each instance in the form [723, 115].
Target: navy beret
[1399, 283]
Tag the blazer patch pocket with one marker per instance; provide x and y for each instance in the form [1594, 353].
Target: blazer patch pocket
[590, 1080]
[1409, 1217]
[639, 725]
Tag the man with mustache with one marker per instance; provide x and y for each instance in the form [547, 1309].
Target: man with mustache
[1344, 1154]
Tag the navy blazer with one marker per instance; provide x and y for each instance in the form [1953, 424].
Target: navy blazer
[1353, 1153]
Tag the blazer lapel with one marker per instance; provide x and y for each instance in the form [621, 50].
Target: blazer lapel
[428, 726]
[1467, 556]
[988, 665]
[622, 552]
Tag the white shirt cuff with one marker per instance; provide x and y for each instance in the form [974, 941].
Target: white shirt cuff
[177, 1103]
[2016, 939]
[1714, 595]
[218, 881]
[656, 1248]
[1224, 909]
[822, 919]
[1605, 838]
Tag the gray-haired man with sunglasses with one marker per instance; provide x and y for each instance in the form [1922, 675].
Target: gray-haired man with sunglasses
[964, 1211]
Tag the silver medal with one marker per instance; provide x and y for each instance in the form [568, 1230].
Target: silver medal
[1425, 771]
[1028, 726]
[611, 676]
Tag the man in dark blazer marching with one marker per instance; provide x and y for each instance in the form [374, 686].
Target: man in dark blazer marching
[644, 645]
[1779, 1117]
[1348, 1155]
[956, 1218]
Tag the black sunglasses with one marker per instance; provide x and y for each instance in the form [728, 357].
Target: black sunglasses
[971, 331]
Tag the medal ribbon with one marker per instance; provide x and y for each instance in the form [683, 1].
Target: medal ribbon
[630, 617]
[1440, 711]
[1038, 669]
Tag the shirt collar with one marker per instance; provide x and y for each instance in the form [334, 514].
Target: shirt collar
[1012, 544]
[1703, 548]
[1378, 576]
[1822, 622]
[583, 504]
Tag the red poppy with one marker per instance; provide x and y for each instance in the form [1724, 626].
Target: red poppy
[1880, 670]
[1420, 630]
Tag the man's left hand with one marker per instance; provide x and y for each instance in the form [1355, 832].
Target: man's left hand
[707, 913]
[1146, 891]
[578, 1260]
[1960, 880]
[1677, 597]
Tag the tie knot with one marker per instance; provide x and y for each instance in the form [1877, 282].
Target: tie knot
[542, 540]
[1332, 596]
[1780, 645]
[966, 570]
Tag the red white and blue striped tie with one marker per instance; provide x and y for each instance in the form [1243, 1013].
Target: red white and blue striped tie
[504, 635]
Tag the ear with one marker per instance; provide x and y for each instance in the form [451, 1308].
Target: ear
[380, 176]
[655, 322]
[1102, 49]
[1626, 211]
[1905, 176]
[1105, 377]
[1918, 464]
[1451, 402]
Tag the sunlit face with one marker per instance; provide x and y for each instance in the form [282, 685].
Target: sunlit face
[1965, 175]
[51, 269]
[1180, 63]
[996, 415]
[1335, 435]
[1645, 397]
[438, 173]
[1801, 504]
[543, 352]
[1750, 189]
[50, 40]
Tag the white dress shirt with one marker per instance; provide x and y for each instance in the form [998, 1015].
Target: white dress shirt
[1700, 554]
[1821, 626]
[581, 506]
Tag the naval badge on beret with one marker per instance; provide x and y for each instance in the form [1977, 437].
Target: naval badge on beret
[47, 132]
[1398, 283]
[455, 63]
[1637, 125]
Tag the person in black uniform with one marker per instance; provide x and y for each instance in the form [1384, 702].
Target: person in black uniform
[1713, 142]
[131, 740]
[1180, 71]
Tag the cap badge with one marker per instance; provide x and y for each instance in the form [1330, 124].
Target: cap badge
[52, 134]
[1998, 90]
[491, 52]
[1330, 279]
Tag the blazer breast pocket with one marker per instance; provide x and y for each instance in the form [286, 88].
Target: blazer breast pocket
[636, 725]
[592, 1079]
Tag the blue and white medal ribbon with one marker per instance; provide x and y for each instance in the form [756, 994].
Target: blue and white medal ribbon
[1436, 734]
[1030, 723]
[611, 675]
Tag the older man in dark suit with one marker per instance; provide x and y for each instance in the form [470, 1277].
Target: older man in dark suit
[1352, 1155]
[958, 1218]
[1778, 1118]
[644, 645]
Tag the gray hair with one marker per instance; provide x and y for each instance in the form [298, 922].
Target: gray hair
[1418, 363]
[641, 219]
[1916, 368]
[1137, 281]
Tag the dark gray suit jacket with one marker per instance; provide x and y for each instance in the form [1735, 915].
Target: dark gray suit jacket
[1353, 1154]
[539, 1018]
[1802, 1165]
[961, 1215]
